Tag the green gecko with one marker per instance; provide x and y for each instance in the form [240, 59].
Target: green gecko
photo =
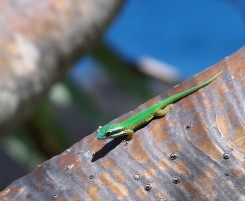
[160, 109]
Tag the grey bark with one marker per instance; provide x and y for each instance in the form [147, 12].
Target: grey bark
[39, 41]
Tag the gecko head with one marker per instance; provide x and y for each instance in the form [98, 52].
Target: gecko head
[109, 131]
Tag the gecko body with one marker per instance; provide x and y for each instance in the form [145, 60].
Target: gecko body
[159, 109]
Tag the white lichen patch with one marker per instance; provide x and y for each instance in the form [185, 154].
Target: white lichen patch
[26, 58]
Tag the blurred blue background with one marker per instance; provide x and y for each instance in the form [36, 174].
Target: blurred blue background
[150, 47]
[191, 35]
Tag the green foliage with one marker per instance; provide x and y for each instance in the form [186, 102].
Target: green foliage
[121, 71]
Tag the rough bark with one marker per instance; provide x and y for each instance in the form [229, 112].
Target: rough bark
[39, 41]
[195, 152]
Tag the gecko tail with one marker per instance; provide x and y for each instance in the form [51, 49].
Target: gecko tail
[183, 94]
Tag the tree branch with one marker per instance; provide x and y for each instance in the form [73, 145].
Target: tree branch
[195, 152]
[39, 41]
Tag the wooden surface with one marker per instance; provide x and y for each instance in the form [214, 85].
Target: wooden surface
[195, 152]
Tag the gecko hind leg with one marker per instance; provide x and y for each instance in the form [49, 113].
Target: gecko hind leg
[164, 111]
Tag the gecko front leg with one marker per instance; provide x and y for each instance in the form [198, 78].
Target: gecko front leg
[129, 134]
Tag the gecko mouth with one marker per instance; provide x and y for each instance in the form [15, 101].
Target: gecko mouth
[101, 136]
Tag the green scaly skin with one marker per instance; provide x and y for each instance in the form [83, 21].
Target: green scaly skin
[128, 126]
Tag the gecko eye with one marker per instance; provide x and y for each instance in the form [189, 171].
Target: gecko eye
[113, 132]
[108, 133]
